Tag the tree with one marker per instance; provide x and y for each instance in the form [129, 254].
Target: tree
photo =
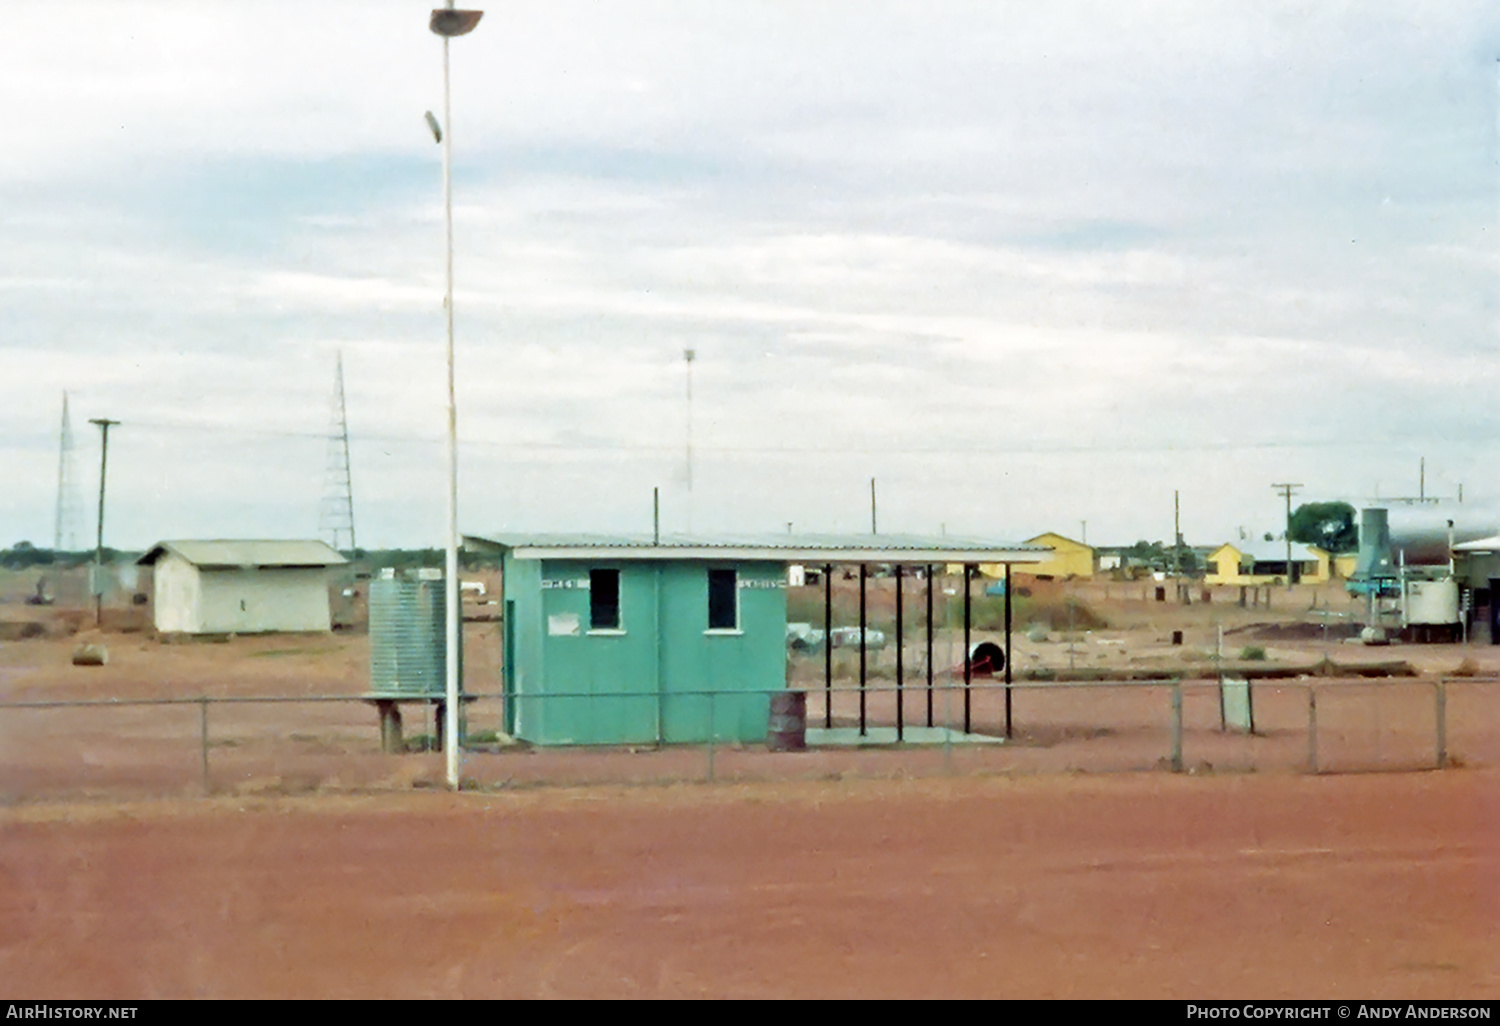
[1152, 555]
[1328, 525]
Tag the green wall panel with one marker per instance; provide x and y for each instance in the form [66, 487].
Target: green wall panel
[649, 681]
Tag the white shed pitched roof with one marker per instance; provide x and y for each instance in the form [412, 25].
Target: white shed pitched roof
[225, 554]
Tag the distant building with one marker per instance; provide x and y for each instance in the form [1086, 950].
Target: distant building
[1069, 559]
[240, 587]
[1251, 563]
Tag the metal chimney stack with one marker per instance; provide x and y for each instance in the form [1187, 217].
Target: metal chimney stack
[1376, 562]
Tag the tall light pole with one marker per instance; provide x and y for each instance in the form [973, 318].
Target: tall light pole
[98, 589]
[448, 23]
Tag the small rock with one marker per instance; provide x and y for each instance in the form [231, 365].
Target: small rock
[90, 655]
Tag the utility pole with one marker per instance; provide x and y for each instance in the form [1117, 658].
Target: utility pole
[104, 425]
[1177, 538]
[872, 507]
[1286, 490]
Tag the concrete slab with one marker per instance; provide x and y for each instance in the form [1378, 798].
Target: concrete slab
[874, 736]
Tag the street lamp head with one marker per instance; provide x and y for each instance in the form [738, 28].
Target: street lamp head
[448, 22]
[432, 123]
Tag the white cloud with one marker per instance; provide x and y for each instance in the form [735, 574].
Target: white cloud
[1027, 264]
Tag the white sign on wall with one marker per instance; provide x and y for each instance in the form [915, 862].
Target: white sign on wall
[563, 624]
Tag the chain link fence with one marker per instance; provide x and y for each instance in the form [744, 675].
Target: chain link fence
[278, 745]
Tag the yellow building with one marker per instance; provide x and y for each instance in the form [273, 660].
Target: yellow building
[1251, 563]
[1069, 559]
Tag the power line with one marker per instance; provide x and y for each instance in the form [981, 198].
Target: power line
[1061, 448]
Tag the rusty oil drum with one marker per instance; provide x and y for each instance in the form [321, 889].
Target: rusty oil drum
[788, 726]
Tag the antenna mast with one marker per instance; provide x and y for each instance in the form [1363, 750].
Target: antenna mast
[65, 524]
[337, 513]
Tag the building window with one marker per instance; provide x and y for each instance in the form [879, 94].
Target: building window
[604, 600]
[723, 601]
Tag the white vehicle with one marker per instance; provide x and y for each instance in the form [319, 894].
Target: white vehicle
[849, 637]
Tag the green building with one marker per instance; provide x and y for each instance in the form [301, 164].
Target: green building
[624, 640]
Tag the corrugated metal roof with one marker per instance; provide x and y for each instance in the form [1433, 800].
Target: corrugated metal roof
[220, 554]
[779, 547]
[1263, 551]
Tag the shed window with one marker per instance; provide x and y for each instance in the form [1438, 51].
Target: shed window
[604, 600]
[723, 600]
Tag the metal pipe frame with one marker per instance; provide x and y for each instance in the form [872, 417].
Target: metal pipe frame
[929, 644]
[863, 645]
[900, 718]
[1008, 650]
[828, 646]
[968, 662]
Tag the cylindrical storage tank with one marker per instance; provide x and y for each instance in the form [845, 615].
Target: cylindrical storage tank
[788, 726]
[1421, 533]
[408, 648]
[1432, 602]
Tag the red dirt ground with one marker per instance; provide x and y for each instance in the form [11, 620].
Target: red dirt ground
[317, 871]
[1139, 885]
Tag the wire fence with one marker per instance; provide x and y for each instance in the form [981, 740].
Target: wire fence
[285, 744]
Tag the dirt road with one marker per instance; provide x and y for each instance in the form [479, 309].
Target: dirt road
[1137, 885]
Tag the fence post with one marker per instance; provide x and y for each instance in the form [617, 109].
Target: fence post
[203, 740]
[1442, 723]
[1177, 726]
[1312, 728]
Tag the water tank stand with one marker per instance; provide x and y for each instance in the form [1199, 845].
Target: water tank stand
[391, 740]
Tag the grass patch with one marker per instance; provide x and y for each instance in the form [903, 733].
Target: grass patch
[1253, 654]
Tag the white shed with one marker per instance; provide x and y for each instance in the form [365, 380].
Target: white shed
[241, 587]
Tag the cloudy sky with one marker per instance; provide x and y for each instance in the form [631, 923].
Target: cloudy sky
[1027, 265]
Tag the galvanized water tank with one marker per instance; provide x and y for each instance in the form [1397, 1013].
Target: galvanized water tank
[408, 647]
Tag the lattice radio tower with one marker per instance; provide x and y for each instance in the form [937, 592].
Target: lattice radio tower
[336, 512]
[65, 523]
